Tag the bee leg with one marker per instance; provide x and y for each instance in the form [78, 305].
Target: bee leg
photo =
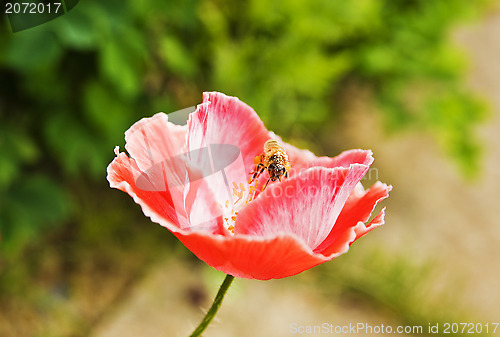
[262, 169]
[258, 163]
[256, 172]
[266, 184]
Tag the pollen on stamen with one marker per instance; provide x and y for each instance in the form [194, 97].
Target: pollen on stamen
[242, 198]
[252, 190]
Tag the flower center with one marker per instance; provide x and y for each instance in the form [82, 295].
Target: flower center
[240, 197]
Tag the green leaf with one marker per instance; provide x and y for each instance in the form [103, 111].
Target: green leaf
[120, 68]
[32, 50]
[176, 57]
[33, 204]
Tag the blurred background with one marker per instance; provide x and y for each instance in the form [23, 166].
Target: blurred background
[416, 81]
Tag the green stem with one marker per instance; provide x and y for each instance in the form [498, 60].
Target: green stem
[215, 306]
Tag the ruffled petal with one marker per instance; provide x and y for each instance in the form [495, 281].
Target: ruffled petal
[224, 137]
[306, 205]
[301, 160]
[123, 173]
[165, 206]
[352, 219]
[155, 140]
[222, 119]
[361, 229]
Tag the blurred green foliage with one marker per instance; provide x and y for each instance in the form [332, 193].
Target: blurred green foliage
[71, 87]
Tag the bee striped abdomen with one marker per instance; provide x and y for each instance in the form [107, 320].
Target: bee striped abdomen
[274, 160]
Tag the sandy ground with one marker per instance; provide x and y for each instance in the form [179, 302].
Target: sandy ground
[432, 214]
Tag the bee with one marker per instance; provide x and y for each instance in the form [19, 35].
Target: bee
[274, 159]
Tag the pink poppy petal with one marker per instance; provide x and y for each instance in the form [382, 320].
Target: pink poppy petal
[222, 119]
[303, 159]
[360, 205]
[165, 206]
[306, 205]
[346, 158]
[155, 140]
[361, 229]
[159, 149]
[253, 258]
[123, 173]
[352, 219]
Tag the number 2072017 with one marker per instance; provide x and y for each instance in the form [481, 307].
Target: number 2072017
[32, 8]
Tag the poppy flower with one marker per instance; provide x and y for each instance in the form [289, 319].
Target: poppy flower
[195, 180]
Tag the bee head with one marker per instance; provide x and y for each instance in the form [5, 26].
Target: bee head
[275, 171]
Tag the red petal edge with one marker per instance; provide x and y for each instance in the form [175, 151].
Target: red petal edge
[350, 224]
[164, 206]
[251, 257]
